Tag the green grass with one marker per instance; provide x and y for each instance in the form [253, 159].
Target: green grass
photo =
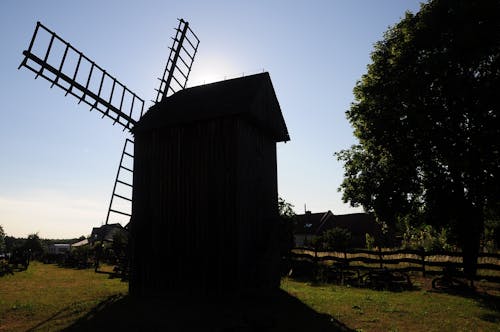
[418, 310]
[50, 298]
[47, 297]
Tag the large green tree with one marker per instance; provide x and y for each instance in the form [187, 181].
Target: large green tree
[426, 115]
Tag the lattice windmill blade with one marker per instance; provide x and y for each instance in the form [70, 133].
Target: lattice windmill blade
[180, 61]
[121, 198]
[51, 57]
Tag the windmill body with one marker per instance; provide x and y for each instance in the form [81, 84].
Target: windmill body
[204, 194]
[205, 190]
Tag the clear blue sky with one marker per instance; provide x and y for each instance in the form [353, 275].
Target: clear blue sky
[58, 160]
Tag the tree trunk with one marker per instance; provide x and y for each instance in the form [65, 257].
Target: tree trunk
[470, 227]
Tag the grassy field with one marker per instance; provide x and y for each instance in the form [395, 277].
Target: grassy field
[50, 298]
[416, 310]
[46, 297]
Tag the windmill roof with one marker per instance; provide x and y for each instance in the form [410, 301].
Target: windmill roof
[251, 96]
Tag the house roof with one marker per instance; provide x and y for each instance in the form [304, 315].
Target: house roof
[80, 243]
[312, 223]
[251, 97]
[356, 223]
[107, 232]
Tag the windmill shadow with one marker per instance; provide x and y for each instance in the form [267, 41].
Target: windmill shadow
[277, 312]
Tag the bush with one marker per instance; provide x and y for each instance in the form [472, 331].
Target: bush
[426, 237]
[4, 267]
[370, 241]
[337, 239]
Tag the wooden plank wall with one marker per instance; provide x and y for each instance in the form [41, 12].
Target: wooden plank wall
[204, 203]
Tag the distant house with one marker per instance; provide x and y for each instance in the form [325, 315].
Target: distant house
[311, 225]
[106, 233]
[59, 248]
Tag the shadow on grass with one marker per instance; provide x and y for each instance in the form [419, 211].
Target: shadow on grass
[68, 312]
[277, 312]
[478, 294]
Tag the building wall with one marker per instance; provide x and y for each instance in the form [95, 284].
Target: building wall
[257, 210]
[204, 197]
[59, 249]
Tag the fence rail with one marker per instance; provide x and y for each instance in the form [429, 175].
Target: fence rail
[386, 252]
[398, 260]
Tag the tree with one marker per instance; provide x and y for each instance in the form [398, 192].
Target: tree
[286, 226]
[426, 117]
[34, 244]
[285, 209]
[2, 239]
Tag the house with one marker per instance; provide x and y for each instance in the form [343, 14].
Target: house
[106, 233]
[311, 225]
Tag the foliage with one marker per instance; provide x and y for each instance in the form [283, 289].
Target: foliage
[490, 239]
[336, 239]
[370, 241]
[491, 236]
[287, 223]
[2, 239]
[120, 250]
[34, 245]
[79, 257]
[285, 209]
[426, 237]
[426, 116]
[4, 267]
[12, 243]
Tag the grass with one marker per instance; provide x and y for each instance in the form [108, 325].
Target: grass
[50, 298]
[47, 297]
[419, 310]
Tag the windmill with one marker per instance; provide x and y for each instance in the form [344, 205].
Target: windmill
[54, 59]
[204, 186]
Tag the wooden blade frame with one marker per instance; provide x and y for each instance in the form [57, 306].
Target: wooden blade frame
[180, 61]
[123, 179]
[54, 59]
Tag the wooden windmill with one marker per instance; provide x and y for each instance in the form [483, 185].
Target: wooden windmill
[204, 192]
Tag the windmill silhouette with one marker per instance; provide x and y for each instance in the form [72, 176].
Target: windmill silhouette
[204, 186]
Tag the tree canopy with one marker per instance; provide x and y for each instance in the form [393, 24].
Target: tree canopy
[2, 239]
[426, 117]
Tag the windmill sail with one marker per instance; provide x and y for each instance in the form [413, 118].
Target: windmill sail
[51, 57]
[120, 205]
[180, 61]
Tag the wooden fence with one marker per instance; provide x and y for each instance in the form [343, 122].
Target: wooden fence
[404, 260]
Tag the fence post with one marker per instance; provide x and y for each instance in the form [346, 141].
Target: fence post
[423, 262]
[380, 256]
